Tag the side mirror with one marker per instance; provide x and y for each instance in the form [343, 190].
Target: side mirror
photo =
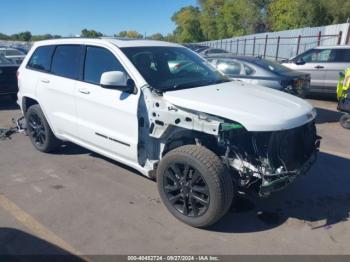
[299, 61]
[117, 80]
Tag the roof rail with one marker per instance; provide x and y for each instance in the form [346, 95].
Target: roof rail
[120, 38]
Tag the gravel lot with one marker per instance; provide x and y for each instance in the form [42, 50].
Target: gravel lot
[75, 201]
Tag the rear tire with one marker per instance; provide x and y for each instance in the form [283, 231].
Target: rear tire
[194, 185]
[345, 121]
[39, 130]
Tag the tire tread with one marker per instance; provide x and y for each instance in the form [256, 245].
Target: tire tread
[222, 178]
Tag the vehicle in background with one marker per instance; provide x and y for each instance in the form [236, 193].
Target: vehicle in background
[22, 49]
[209, 51]
[323, 63]
[8, 78]
[255, 70]
[196, 48]
[13, 54]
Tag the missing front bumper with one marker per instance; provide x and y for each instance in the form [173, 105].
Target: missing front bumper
[269, 186]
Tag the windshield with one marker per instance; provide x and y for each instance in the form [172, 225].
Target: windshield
[172, 68]
[272, 66]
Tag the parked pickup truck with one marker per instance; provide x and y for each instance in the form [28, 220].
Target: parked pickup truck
[200, 135]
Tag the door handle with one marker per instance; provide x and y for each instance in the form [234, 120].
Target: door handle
[45, 81]
[84, 91]
[319, 67]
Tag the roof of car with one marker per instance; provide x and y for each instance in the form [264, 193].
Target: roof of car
[333, 47]
[119, 42]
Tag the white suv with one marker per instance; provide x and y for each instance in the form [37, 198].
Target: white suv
[161, 109]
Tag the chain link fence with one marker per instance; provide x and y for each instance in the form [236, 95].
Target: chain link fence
[284, 44]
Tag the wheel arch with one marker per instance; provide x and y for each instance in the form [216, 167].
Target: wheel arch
[181, 137]
[28, 102]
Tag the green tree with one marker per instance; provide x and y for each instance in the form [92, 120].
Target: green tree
[129, 34]
[134, 34]
[227, 18]
[211, 21]
[187, 25]
[170, 37]
[240, 17]
[122, 34]
[156, 36]
[25, 36]
[4, 37]
[286, 14]
[90, 33]
[335, 11]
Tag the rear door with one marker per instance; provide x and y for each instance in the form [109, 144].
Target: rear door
[56, 91]
[339, 61]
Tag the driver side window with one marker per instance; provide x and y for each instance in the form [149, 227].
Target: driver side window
[317, 55]
[99, 60]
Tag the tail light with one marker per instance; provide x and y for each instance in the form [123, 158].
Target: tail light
[298, 83]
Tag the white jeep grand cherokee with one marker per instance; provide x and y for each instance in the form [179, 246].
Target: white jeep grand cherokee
[163, 110]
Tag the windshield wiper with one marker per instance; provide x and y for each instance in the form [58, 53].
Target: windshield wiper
[196, 83]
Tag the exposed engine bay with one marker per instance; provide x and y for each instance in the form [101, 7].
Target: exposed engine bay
[268, 161]
[263, 161]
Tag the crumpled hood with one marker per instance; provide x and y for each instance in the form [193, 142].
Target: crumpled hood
[257, 108]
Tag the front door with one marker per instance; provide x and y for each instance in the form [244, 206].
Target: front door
[107, 118]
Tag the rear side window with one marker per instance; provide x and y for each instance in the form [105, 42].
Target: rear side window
[41, 58]
[98, 61]
[229, 67]
[341, 56]
[66, 61]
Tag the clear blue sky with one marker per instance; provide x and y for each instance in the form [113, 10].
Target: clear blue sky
[65, 17]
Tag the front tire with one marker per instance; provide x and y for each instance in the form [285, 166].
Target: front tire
[39, 130]
[194, 185]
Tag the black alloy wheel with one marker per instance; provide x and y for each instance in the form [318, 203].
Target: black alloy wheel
[36, 130]
[194, 185]
[39, 131]
[186, 189]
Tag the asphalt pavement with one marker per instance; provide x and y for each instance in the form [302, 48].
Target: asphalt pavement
[77, 202]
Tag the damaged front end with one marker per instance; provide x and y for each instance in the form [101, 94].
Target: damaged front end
[268, 161]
